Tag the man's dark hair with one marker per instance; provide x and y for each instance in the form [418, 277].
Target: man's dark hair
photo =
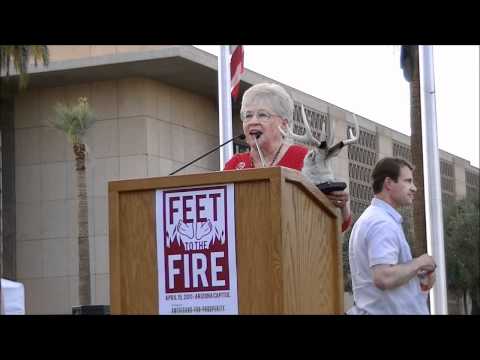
[387, 167]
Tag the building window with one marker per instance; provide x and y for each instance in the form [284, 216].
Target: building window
[316, 119]
[402, 151]
[472, 183]
[362, 157]
[447, 179]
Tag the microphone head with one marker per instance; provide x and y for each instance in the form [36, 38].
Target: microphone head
[258, 134]
[241, 137]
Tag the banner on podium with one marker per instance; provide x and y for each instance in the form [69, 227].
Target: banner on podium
[197, 271]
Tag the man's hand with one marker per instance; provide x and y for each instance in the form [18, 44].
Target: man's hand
[427, 280]
[424, 263]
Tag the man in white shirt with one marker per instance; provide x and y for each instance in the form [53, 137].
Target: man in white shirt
[385, 278]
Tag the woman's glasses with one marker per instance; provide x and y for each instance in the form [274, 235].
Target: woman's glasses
[261, 115]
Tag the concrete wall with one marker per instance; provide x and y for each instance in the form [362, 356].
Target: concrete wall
[70, 52]
[144, 129]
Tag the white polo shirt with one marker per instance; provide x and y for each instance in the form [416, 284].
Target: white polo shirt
[377, 238]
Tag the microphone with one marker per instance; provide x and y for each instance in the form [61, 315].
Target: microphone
[241, 137]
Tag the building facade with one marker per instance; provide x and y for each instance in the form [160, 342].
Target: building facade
[156, 109]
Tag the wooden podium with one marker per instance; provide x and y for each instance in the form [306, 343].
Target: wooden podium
[288, 242]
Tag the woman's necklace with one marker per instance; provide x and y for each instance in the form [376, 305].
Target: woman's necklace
[261, 156]
[276, 154]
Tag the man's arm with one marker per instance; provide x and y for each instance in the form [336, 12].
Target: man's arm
[387, 277]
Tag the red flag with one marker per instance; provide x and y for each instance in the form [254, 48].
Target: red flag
[236, 68]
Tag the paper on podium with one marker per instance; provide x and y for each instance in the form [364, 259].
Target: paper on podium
[13, 298]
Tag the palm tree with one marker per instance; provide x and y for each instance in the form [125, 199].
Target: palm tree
[20, 57]
[410, 65]
[74, 122]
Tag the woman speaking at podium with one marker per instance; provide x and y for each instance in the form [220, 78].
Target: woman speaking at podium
[266, 108]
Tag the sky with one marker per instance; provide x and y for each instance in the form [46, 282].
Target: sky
[368, 81]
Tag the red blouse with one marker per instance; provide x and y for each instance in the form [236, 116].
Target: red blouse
[292, 159]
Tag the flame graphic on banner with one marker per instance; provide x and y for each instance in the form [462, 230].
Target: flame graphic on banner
[184, 233]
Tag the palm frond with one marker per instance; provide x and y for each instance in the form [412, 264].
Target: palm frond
[19, 56]
[73, 120]
[40, 52]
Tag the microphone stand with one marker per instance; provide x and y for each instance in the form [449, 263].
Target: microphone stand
[259, 151]
[242, 136]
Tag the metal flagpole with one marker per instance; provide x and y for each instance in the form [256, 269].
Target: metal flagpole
[432, 185]
[224, 104]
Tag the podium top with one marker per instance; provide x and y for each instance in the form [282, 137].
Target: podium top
[277, 173]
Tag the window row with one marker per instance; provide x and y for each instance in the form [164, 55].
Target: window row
[448, 185]
[358, 172]
[402, 151]
[471, 178]
[361, 155]
[361, 192]
[446, 169]
[315, 119]
[366, 139]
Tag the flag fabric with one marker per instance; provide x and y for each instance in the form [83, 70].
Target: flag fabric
[236, 69]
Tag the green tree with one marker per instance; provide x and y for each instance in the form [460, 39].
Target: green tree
[18, 56]
[74, 121]
[462, 247]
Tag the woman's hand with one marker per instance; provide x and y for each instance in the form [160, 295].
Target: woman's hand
[338, 198]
